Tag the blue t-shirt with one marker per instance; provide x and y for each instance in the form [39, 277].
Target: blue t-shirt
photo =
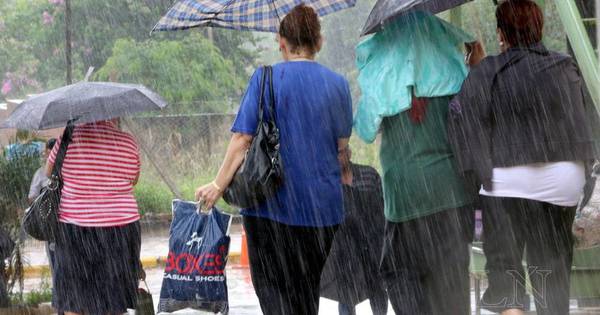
[313, 110]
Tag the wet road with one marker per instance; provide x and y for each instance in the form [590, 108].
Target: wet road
[243, 300]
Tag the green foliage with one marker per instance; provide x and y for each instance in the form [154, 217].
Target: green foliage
[183, 71]
[32, 45]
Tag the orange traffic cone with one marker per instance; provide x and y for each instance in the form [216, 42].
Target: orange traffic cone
[244, 261]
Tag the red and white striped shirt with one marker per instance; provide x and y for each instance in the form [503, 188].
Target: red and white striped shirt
[101, 164]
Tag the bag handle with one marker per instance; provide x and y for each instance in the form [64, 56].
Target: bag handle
[146, 285]
[62, 151]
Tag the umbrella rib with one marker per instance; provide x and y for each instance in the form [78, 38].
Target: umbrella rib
[275, 9]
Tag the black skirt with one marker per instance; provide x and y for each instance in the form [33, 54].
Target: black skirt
[96, 269]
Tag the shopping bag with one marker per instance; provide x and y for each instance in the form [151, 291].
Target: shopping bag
[586, 227]
[194, 276]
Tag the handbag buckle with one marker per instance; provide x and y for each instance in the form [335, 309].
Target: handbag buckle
[53, 183]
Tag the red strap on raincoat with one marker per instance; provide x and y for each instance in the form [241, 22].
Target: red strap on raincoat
[418, 109]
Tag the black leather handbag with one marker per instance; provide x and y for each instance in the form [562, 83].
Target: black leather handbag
[261, 174]
[41, 219]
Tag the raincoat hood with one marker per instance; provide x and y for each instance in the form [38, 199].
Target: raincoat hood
[417, 51]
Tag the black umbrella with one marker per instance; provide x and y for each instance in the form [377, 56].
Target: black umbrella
[385, 10]
[85, 102]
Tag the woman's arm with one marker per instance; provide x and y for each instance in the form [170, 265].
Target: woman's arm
[236, 151]
[343, 144]
[475, 53]
[49, 168]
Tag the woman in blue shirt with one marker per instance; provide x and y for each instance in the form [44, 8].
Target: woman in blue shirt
[289, 236]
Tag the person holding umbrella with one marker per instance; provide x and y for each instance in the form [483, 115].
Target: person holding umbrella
[525, 125]
[409, 72]
[98, 241]
[289, 235]
[97, 252]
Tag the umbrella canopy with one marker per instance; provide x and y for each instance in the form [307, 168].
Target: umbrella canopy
[385, 10]
[85, 102]
[253, 15]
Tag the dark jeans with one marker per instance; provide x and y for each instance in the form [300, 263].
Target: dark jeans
[378, 301]
[286, 263]
[514, 227]
[425, 263]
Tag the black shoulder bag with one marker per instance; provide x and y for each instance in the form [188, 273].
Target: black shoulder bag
[41, 219]
[261, 174]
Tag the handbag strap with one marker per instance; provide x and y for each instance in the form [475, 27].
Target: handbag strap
[271, 95]
[267, 76]
[261, 96]
[62, 151]
[146, 285]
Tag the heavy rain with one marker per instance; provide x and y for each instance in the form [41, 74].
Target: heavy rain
[299, 157]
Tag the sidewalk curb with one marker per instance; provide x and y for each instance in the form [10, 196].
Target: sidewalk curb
[37, 271]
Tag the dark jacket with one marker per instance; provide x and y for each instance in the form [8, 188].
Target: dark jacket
[526, 105]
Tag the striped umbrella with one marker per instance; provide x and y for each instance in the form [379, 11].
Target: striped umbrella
[252, 15]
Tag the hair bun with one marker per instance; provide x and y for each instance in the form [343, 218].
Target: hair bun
[301, 28]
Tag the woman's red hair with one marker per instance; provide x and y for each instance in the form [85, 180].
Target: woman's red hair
[301, 28]
[521, 21]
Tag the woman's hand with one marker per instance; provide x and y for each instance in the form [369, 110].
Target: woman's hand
[208, 195]
[475, 53]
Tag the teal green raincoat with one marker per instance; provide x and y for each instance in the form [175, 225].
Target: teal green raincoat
[402, 57]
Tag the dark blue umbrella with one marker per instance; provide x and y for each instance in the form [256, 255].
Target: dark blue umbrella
[385, 10]
[253, 15]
